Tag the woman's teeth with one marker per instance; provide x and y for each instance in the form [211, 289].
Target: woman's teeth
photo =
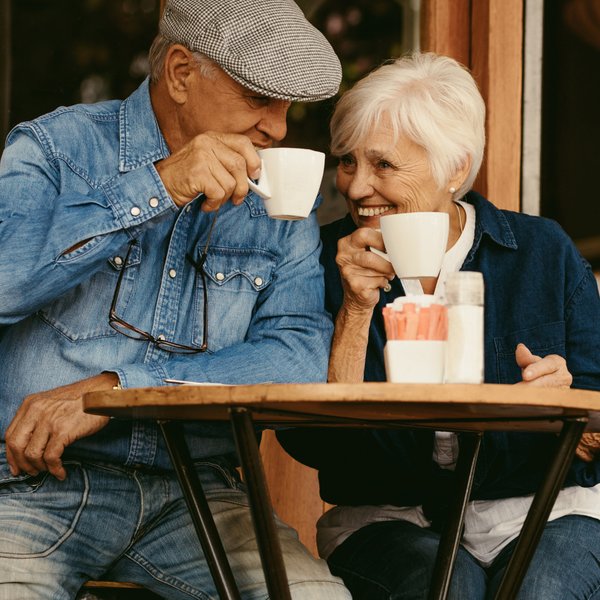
[372, 211]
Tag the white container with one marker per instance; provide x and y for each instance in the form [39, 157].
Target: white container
[414, 361]
[464, 352]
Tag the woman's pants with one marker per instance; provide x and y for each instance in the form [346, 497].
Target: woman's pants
[393, 560]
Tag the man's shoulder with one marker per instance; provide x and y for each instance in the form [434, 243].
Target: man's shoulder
[79, 135]
[66, 120]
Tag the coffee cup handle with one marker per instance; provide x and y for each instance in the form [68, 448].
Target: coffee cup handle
[379, 253]
[262, 188]
[263, 193]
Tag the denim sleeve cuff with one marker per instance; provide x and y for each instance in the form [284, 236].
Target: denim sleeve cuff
[138, 196]
[137, 376]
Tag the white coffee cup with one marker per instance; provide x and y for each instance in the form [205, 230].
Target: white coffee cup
[415, 242]
[289, 181]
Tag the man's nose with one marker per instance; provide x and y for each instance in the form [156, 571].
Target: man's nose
[273, 124]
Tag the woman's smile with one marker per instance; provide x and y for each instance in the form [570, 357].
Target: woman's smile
[373, 211]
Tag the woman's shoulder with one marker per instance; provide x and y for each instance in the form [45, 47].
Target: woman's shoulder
[332, 232]
[526, 229]
[528, 240]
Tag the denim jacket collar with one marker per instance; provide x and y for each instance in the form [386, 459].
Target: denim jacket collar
[492, 222]
[141, 142]
[140, 139]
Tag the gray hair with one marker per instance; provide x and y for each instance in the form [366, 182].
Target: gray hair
[158, 51]
[431, 99]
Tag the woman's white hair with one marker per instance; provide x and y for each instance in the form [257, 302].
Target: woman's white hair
[431, 99]
[158, 51]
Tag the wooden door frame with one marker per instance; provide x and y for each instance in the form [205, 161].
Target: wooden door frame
[487, 37]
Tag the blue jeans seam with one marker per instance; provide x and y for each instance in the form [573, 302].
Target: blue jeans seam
[227, 476]
[67, 533]
[162, 578]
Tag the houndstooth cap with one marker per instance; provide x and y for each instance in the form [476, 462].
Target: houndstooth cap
[267, 46]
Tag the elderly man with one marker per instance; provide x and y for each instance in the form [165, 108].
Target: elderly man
[116, 272]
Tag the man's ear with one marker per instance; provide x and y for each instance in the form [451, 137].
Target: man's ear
[178, 70]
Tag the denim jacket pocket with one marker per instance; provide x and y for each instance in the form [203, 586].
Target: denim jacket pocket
[235, 277]
[82, 313]
[541, 340]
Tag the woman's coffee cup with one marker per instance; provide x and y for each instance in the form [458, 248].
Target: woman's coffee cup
[289, 181]
[415, 242]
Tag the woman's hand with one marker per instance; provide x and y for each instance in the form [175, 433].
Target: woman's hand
[363, 272]
[550, 371]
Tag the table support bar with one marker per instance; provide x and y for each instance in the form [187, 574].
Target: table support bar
[452, 532]
[202, 518]
[540, 509]
[260, 504]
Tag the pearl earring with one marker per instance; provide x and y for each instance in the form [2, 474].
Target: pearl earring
[452, 190]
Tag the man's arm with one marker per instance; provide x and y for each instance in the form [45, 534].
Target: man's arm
[287, 341]
[47, 422]
[52, 239]
[289, 335]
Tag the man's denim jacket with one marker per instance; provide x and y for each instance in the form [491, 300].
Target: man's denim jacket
[87, 173]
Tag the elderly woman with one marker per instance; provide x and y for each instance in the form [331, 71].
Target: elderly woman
[410, 137]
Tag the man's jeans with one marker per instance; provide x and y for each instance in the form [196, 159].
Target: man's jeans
[124, 524]
[393, 560]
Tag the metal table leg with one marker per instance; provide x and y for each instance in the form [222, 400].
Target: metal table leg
[199, 511]
[260, 505]
[539, 511]
[452, 532]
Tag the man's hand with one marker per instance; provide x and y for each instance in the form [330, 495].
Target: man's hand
[214, 164]
[363, 272]
[47, 422]
[550, 371]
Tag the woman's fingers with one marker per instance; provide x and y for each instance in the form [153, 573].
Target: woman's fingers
[549, 371]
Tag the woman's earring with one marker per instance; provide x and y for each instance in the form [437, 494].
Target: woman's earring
[452, 190]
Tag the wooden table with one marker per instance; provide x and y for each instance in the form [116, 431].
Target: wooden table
[448, 407]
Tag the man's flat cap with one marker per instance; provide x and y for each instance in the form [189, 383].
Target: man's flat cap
[266, 45]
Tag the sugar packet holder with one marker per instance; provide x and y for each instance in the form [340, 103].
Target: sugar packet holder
[416, 329]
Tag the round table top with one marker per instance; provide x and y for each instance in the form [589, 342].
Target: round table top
[447, 406]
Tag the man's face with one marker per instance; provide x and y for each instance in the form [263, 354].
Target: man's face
[218, 103]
